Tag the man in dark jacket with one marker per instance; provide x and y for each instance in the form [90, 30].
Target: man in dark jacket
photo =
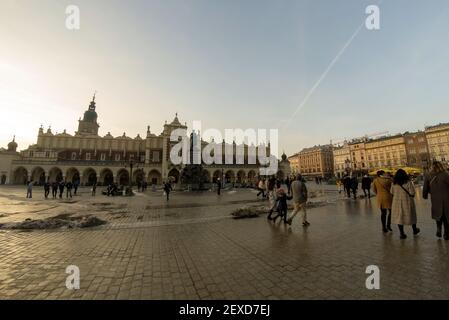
[347, 185]
[366, 185]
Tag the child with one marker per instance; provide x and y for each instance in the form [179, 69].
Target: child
[282, 198]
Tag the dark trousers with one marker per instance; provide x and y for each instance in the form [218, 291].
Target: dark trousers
[401, 228]
[54, 192]
[386, 220]
[348, 192]
[367, 192]
[261, 192]
[47, 192]
[168, 194]
[441, 222]
[69, 193]
[218, 190]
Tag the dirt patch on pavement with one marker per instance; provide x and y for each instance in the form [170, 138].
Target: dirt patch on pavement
[248, 212]
[60, 221]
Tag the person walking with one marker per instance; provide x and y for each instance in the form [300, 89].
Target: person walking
[366, 185]
[347, 185]
[271, 194]
[54, 189]
[61, 188]
[403, 209]
[299, 195]
[437, 185]
[30, 189]
[69, 187]
[281, 207]
[218, 186]
[288, 183]
[261, 187]
[46, 189]
[382, 187]
[94, 189]
[354, 186]
[167, 189]
[75, 184]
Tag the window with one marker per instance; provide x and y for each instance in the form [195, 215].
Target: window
[47, 154]
[31, 154]
[155, 156]
[88, 156]
[117, 157]
[103, 157]
[73, 155]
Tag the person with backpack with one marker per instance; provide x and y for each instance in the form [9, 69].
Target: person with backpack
[437, 185]
[299, 195]
[403, 209]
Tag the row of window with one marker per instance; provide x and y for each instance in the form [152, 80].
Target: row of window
[117, 157]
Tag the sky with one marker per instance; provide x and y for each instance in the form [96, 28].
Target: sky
[228, 63]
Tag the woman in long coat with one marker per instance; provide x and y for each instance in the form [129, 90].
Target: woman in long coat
[437, 184]
[403, 209]
[382, 187]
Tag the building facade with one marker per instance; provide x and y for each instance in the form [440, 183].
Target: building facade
[316, 162]
[87, 157]
[438, 142]
[417, 150]
[342, 160]
[386, 152]
[7, 156]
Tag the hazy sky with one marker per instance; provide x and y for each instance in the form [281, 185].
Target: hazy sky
[228, 63]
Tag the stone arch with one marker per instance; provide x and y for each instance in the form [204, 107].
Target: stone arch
[3, 179]
[38, 175]
[154, 177]
[123, 177]
[138, 176]
[206, 175]
[20, 175]
[174, 175]
[89, 177]
[241, 176]
[229, 176]
[106, 177]
[252, 177]
[216, 175]
[55, 175]
[72, 175]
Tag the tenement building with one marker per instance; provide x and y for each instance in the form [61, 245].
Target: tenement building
[86, 157]
[417, 149]
[342, 160]
[316, 162]
[386, 152]
[438, 142]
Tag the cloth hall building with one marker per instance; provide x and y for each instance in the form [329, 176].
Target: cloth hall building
[86, 157]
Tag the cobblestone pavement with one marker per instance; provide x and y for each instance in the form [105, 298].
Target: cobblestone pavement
[192, 249]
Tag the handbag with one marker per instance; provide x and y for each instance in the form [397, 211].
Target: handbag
[409, 194]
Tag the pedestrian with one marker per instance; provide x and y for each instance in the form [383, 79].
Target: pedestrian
[261, 188]
[76, 184]
[339, 185]
[288, 184]
[218, 186]
[167, 189]
[299, 194]
[69, 187]
[281, 206]
[403, 209]
[46, 189]
[271, 194]
[382, 187]
[94, 188]
[139, 186]
[54, 189]
[366, 185]
[437, 185]
[347, 185]
[61, 188]
[30, 189]
[354, 186]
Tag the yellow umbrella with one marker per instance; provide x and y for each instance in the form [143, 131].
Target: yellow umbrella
[411, 170]
[386, 170]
